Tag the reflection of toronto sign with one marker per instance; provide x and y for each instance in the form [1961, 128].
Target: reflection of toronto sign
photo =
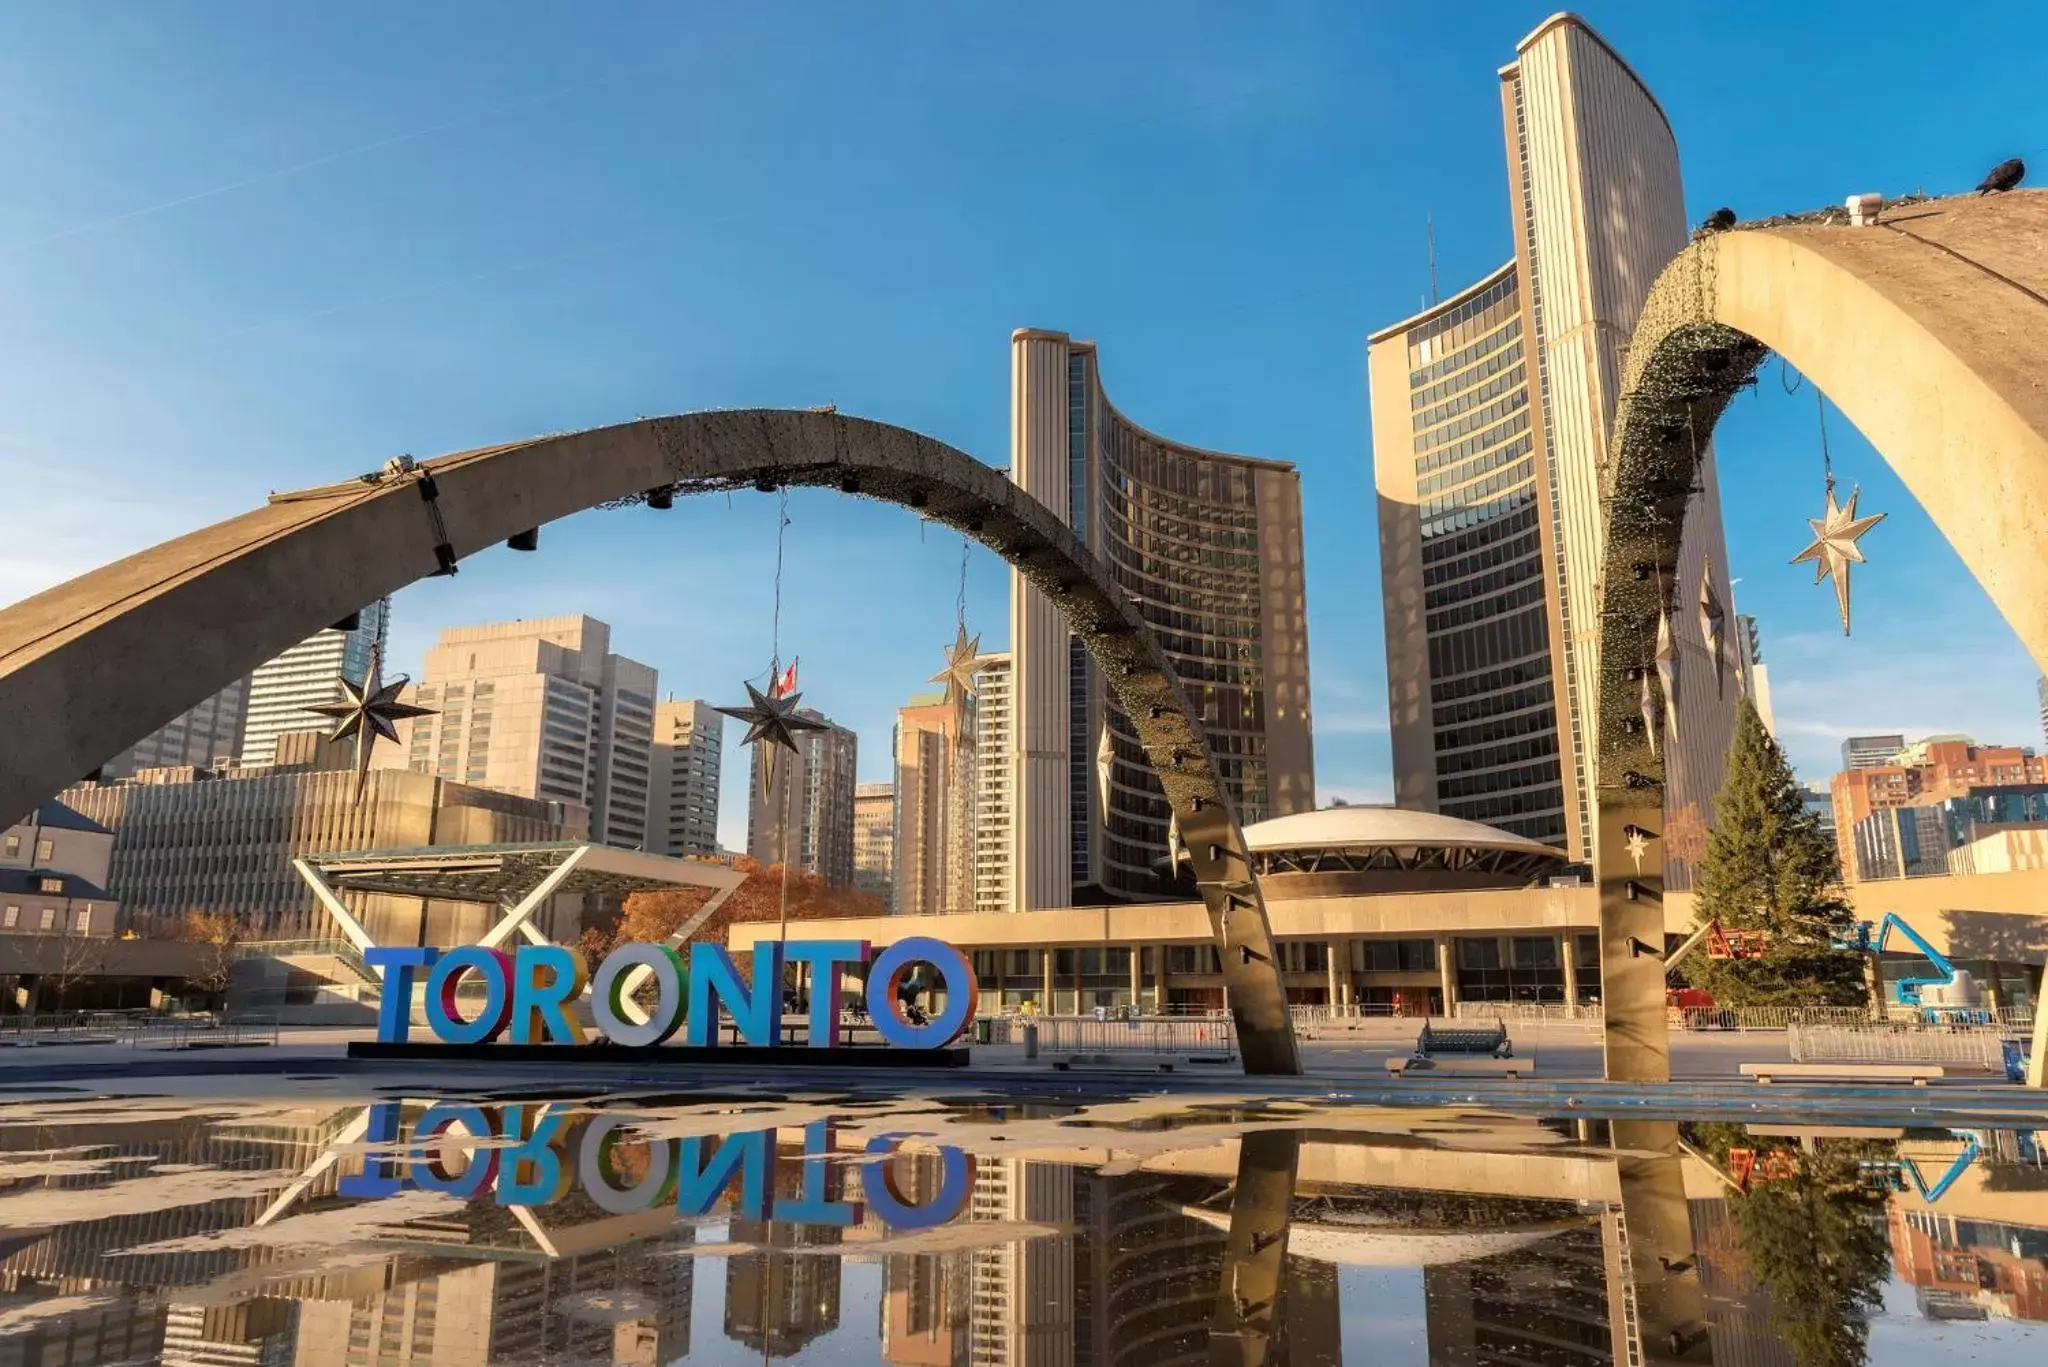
[526, 996]
[535, 1155]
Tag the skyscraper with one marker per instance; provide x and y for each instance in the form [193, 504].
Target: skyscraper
[688, 755]
[307, 675]
[874, 840]
[205, 737]
[935, 777]
[1756, 675]
[805, 819]
[1209, 548]
[541, 708]
[1871, 752]
[1492, 411]
[994, 831]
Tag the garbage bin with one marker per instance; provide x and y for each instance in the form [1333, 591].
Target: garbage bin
[984, 1030]
[1030, 1039]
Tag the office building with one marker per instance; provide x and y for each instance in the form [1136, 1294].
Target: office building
[1819, 803]
[307, 675]
[1208, 547]
[874, 841]
[935, 779]
[805, 818]
[208, 736]
[994, 830]
[1491, 415]
[1925, 772]
[1924, 837]
[543, 709]
[1868, 752]
[687, 759]
[190, 840]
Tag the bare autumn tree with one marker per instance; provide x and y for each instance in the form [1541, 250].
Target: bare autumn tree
[78, 958]
[219, 936]
[651, 917]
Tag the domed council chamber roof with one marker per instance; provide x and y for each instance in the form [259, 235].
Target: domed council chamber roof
[1396, 841]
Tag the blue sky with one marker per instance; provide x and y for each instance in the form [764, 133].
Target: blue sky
[248, 247]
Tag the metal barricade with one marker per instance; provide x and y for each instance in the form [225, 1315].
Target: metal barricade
[1960, 1046]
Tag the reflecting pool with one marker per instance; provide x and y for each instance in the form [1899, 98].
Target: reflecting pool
[404, 1231]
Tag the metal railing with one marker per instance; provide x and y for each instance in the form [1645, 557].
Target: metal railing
[67, 1027]
[342, 951]
[1136, 1035]
[1964, 1046]
[204, 1031]
[1526, 1011]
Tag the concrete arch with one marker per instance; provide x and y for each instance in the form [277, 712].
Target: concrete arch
[1930, 332]
[89, 666]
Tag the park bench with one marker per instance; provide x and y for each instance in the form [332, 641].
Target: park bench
[1485, 1041]
[1919, 1074]
[1400, 1065]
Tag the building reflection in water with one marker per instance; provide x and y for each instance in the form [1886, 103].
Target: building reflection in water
[1594, 1246]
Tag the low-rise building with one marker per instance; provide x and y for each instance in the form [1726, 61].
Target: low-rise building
[53, 875]
[188, 839]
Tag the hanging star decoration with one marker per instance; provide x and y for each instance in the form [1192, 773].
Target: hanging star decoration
[1638, 843]
[1667, 671]
[1105, 765]
[958, 675]
[772, 721]
[1713, 620]
[1834, 546]
[367, 713]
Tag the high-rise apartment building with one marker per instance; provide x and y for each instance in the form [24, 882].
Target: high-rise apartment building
[688, 756]
[307, 675]
[1922, 774]
[805, 819]
[1209, 548]
[874, 841]
[1870, 752]
[1492, 411]
[207, 737]
[541, 708]
[935, 778]
[994, 830]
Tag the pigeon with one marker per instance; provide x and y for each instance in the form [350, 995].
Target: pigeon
[1719, 221]
[2003, 177]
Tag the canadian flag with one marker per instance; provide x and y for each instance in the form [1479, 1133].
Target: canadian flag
[785, 685]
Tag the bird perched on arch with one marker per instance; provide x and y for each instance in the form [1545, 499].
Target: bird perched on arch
[2004, 176]
[1719, 221]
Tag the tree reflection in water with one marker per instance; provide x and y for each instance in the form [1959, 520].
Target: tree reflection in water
[1810, 1229]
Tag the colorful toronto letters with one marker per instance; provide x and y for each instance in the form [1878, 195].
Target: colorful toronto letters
[535, 1155]
[527, 997]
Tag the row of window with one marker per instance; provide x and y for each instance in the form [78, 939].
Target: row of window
[1452, 476]
[1531, 723]
[1522, 595]
[1491, 364]
[1486, 645]
[1476, 420]
[1442, 550]
[1521, 472]
[1478, 515]
[1484, 686]
[1482, 313]
[1520, 548]
[81, 919]
[46, 850]
[1529, 569]
[1505, 809]
[1467, 401]
[1500, 781]
[1492, 757]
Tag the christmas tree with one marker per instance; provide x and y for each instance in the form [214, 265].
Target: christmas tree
[1769, 867]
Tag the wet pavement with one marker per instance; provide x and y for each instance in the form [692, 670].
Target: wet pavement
[351, 1218]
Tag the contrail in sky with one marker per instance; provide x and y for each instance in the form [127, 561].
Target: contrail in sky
[299, 168]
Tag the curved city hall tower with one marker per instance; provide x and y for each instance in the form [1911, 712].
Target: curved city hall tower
[1491, 414]
[1209, 548]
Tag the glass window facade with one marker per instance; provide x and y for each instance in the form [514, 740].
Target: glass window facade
[1492, 698]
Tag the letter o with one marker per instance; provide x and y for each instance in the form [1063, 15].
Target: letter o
[956, 975]
[608, 995]
[594, 1168]
[429, 1173]
[494, 966]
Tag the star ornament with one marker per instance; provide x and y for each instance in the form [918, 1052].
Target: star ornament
[772, 721]
[1638, 843]
[1834, 546]
[958, 675]
[368, 714]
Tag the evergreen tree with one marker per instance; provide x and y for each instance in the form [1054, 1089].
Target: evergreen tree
[1769, 867]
